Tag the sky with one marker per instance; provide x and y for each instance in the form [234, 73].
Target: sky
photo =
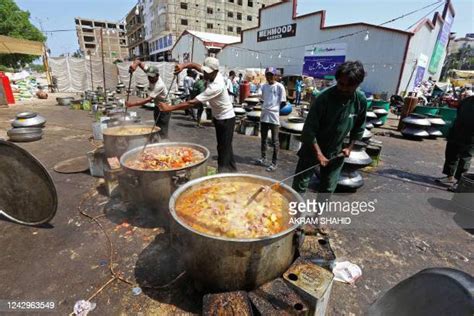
[60, 14]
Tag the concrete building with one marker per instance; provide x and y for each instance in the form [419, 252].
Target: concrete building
[462, 42]
[395, 60]
[165, 20]
[194, 46]
[91, 33]
[135, 26]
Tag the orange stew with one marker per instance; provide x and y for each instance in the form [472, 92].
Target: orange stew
[219, 208]
[165, 158]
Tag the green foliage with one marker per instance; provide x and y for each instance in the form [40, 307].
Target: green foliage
[5, 69]
[37, 67]
[16, 23]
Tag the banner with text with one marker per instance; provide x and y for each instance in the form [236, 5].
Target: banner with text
[323, 60]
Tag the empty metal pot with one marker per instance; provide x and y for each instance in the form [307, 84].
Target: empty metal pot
[28, 119]
[25, 134]
[64, 101]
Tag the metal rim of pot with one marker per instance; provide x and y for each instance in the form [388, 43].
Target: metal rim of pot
[108, 129]
[134, 151]
[26, 115]
[188, 185]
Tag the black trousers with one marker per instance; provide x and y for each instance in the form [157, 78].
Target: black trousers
[457, 159]
[225, 154]
[275, 130]
[163, 121]
[200, 110]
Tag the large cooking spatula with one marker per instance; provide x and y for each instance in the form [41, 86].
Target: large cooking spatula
[266, 188]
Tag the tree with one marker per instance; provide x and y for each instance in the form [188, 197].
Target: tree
[78, 54]
[15, 23]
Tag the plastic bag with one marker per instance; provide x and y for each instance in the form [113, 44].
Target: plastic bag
[346, 272]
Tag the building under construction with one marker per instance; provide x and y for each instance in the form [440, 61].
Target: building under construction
[97, 37]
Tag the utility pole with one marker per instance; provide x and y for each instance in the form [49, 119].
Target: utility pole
[103, 63]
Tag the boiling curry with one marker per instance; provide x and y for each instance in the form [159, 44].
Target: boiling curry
[165, 158]
[218, 208]
[129, 130]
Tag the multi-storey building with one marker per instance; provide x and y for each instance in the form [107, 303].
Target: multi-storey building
[137, 46]
[92, 34]
[165, 20]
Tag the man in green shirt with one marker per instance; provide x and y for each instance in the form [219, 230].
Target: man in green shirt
[336, 112]
[460, 145]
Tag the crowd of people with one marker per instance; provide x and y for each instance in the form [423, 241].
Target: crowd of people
[336, 112]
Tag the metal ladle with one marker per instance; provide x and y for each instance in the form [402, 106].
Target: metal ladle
[266, 188]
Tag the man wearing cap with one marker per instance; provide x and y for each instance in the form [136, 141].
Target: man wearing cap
[222, 109]
[157, 93]
[274, 97]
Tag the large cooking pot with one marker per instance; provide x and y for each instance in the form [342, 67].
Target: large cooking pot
[116, 145]
[254, 116]
[28, 119]
[358, 156]
[152, 189]
[64, 101]
[25, 134]
[294, 124]
[228, 264]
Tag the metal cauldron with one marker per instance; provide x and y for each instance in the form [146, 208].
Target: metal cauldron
[293, 124]
[64, 101]
[358, 156]
[228, 264]
[25, 134]
[116, 145]
[254, 116]
[152, 189]
[28, 119]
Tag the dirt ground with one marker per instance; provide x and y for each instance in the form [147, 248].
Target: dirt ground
[67, 260]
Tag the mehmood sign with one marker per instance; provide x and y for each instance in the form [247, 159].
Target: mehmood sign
[277, 32]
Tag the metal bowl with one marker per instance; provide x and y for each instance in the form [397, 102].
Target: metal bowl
[25, 134]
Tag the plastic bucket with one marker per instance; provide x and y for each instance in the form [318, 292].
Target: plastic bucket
[426, 110]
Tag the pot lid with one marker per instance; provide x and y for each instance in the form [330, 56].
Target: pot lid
[25, 115]
[252, 100]
[380, 112]
[239, 111]
[73, 165]
[414, 119]
[28, 195]
[296, 119]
